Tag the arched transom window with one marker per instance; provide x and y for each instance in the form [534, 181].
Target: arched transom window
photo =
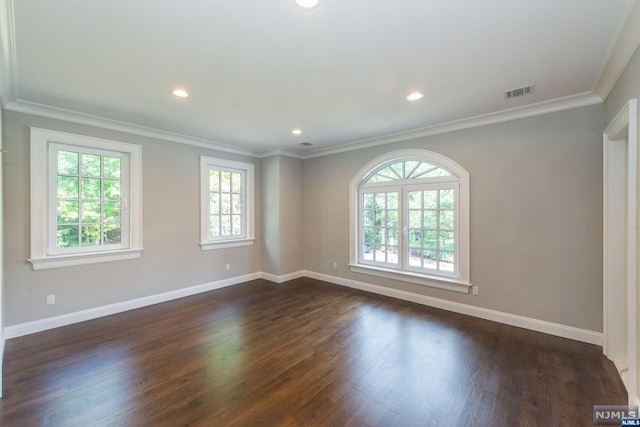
[411, 217]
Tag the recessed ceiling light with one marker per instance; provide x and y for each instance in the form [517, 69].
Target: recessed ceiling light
[414, 96]
[307, 4]
[181, 93]
[296, 132]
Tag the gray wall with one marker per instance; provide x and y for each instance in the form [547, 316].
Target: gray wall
[171, 208]
[282, 215]
[291, 218]
[271, 214]
[536, 214]
[626, 88]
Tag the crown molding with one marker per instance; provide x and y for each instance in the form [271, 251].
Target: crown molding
[545, 107]
[36, 109]
[8, 62]
[624, 44]
[280, 152]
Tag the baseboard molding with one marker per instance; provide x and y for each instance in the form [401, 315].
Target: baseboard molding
[550, 328]
[281, 279]
[2, 342]
[556, 329]
[106, 310]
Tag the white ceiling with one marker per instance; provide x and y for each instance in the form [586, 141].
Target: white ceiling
[256, 69]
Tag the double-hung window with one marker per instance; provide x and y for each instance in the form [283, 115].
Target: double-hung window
[85, 200]
[227, 213]
[410, 220]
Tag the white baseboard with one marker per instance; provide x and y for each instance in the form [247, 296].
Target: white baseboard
[564, 331]
[550, 328]
[106, 310]
[2, 342]
[284, 278]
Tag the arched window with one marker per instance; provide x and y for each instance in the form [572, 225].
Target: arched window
[410, 219]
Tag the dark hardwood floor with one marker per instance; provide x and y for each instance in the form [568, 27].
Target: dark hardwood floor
[301, 353]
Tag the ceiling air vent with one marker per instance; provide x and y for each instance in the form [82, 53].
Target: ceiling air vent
[306, 144]
[514, 93]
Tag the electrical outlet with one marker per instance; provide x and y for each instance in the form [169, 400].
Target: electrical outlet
[227, 267]
[335, 264]
[51, 299]
[475, 290]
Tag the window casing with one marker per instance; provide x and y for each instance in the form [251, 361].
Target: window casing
[410, 220]
[227, 213]
[85, 200]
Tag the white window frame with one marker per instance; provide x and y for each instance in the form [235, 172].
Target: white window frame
[459, 280]
[248, 221]
[44, 255]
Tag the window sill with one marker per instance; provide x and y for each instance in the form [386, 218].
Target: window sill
[223, 244]
[446, 283]
[58, 261]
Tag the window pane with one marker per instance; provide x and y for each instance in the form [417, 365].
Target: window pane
[214, 181]
[430, 240]
[381, 202]
[368, 204]
[237, 225]
[367, 250]
[214, 203]
[414, 200]
[415, 219]
[91, 165]
[435, 173]
[91, 212]
[415, 240]
[446, 220]
[368, 218]
[380, 236]
[237, 204]
[225, 204]
[392, 218]
[446, 240]
[111, 211]
[398, 169]
[236, 183]
[446, 261]
[422, 169]
[225, 224]
[214, 226]
[67, 212]
[112, 189]
[112, 234]
[392, 200]
[91, 188]
[67, 236]
[429, 258]
[414, 258]
[446, 199]
[67, 187]
[380, 254]
[392, 236]
[112, 167]
[392, 254]
[368, 235]
[90, 235]
[225, 182]
[431, 199]
[381, 218]
[431, 219]
[67, 163]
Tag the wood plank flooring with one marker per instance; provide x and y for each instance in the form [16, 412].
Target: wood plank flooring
[302, 353]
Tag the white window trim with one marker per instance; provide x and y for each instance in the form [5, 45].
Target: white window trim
[207, 244]
[40, 257]
[462, 283]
